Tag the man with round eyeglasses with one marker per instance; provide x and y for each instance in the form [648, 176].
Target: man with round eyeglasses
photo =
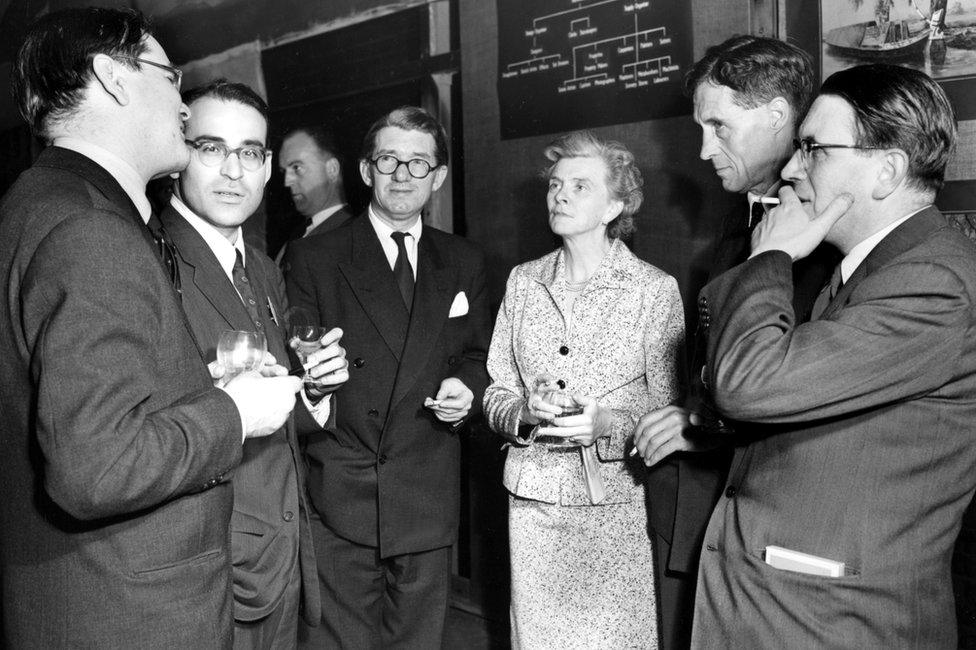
[413, 305]
[836, 527]
[118, 448]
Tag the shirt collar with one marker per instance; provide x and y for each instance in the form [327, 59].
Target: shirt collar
[124, 173]
[223, 249]
[322, 215]
[383, 231]
[857, 255]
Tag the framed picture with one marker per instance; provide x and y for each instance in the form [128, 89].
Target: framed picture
[937, 37]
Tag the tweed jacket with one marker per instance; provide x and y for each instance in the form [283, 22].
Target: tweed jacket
[619, 344]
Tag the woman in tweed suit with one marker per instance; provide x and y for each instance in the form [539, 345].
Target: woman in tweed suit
[593, 319]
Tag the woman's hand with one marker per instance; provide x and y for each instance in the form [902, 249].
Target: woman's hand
[583, 429]
[536, 408]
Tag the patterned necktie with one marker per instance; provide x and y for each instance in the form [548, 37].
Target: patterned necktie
[402, 270]
[166, 252]
[243, 286]
[828, 293]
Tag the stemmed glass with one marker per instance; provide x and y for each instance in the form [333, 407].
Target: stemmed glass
[569, 406]
[240, 351]
[306, 336]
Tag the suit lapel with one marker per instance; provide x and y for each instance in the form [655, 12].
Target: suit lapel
[431, 303]
[371, 280]
[206, 273]
[899, 240]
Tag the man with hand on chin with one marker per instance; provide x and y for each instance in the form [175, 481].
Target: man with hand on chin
[384, 481]
[836, 526]
[228, 284]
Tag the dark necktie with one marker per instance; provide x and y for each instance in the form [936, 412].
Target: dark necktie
[166, 251]
[402, 270]
[757, 212]
[243, 286]
[828, 293]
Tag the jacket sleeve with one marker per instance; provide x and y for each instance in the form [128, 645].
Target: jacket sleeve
[894, 339]
[471, 368]
[505, 396]
[91, 299]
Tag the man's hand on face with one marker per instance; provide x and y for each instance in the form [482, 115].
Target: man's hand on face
[794, 228]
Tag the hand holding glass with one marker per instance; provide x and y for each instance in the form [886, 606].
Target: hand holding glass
[240, 351]
[569, 406]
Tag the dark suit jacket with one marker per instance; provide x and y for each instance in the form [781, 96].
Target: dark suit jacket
[684, 488]
[114, 514]
[876, 459]
[270, 535]
[387, 475]
[339, 218]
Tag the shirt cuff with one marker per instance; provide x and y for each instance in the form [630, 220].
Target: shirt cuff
[320, 412]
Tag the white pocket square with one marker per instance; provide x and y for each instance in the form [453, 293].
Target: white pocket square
[460, 305]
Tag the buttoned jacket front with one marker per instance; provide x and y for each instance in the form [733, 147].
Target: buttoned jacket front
[619, 344]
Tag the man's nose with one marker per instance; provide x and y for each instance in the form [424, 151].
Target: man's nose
[231, 167]
[401, 173]
[795, 168]
[707, 146]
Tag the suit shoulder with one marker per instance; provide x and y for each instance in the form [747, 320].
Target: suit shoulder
[455, 245]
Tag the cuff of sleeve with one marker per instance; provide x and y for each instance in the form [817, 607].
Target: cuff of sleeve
[319, 411]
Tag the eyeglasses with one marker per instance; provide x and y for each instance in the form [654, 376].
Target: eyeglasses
[807, 146]
[213, 154]
[417, 167]
[176, 75]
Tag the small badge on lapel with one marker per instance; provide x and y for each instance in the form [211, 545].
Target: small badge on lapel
[460, 305]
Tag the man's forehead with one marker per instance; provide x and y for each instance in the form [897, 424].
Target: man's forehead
[411, 142]
[829, 116]
[226, 120]
[299, 145]
[712, 101]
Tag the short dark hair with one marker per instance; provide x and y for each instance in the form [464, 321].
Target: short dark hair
[321, 135]
[54, 65]
[229, 92]
[899, 108]
[624, 180]
[408, 118]
[758, 70]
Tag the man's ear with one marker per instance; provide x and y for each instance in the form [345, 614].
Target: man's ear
[366, 172]
[780, 113]
[332, 169]
[891, 173]
[439, 177]
[267, 168]
[111, 77]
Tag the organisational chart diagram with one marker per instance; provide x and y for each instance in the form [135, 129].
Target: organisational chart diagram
[566, 64]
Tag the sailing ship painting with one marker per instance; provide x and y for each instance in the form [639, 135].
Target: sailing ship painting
[936, 36]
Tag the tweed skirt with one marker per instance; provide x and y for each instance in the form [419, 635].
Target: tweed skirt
[582, 576]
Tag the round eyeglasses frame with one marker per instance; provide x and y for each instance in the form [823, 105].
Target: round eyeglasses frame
[416, 167]
[215, 156]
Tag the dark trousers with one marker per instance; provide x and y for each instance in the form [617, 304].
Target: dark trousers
[675, 600]
[371, 602]
[279, 629]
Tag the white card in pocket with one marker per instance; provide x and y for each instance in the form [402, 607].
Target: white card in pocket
[798, 562]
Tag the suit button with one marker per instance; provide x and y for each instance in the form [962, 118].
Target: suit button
[561, 384]
[288, 516]
[563, 350]
[730, 491]
[452, 360]
[359, 362]
[702, 301]
[259, 324]
[374, 412]
[711, 547]
[382, 459]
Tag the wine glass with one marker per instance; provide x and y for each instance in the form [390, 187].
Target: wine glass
[306, 337]
[569, 406]
[239, 351]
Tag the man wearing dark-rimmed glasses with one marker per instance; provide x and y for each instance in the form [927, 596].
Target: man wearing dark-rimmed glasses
[117, 447]
[411, 300]
[836, 527]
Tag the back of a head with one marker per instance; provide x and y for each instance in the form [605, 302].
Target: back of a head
[408, 118]
[54, 65]
[758, 69]
[900, 108]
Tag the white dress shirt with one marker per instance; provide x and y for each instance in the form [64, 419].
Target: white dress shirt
[319, 217]
[383, 231]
